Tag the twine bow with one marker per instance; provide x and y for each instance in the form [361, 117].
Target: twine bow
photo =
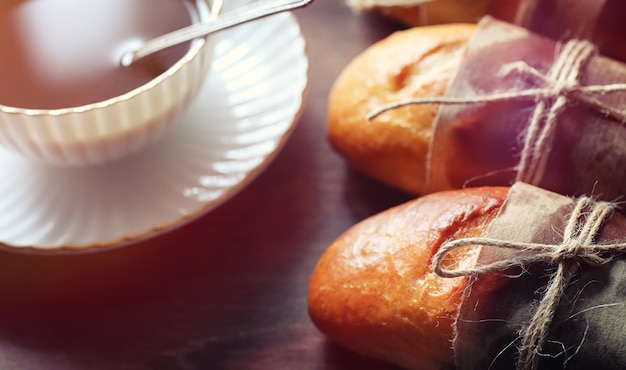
[560, 86]
[577, 246]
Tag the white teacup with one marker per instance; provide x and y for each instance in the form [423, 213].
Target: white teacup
[113, 128]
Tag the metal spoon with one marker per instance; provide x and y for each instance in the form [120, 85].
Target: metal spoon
[255, 10]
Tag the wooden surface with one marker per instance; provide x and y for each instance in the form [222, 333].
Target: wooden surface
[227, 291]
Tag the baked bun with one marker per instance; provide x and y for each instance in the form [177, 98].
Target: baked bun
[418, 62]
[373, 290]
[425, 12]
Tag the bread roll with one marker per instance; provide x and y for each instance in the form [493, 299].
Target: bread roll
[373, 290]
[413, 63]
[425, 12]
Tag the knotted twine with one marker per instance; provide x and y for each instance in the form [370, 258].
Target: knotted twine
[577, 247]
[559, 87]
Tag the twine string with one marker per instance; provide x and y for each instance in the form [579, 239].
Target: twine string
[560, 86]
[564, 75]
[580, 233]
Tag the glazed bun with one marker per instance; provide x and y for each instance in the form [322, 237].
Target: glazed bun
[373, 290]
[425, 12]
[418, 62]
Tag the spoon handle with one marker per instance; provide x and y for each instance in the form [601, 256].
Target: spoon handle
[255, 10]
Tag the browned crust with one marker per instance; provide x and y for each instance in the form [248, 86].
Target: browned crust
[421, 13]
[373, 291]
[413, 63]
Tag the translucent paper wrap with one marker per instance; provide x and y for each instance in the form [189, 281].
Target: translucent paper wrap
[527, 108]
[600, 21]
[536, 236]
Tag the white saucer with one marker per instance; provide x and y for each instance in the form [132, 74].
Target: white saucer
[241, 118]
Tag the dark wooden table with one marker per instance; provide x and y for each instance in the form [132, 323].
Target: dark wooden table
[227, 291]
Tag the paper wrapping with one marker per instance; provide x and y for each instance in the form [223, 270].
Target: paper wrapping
[588, 330]
[481, 143]
[600, 21]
